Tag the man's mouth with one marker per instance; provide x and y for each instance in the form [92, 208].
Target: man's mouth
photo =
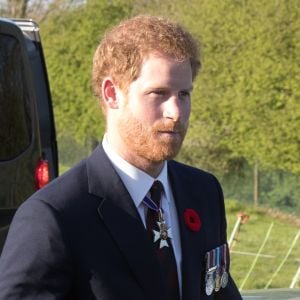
[169, 132]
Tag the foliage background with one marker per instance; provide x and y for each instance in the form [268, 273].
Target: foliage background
[246, 103]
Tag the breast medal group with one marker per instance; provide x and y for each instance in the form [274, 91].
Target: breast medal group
[216, 275]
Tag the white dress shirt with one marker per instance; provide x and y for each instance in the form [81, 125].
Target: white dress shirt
[138, 184]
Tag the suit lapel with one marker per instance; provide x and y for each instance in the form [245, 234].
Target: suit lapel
[192, 243]
[122, 220]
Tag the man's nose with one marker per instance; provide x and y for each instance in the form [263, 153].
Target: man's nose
[172, 108]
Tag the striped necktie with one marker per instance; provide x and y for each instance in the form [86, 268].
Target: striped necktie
[165, 254]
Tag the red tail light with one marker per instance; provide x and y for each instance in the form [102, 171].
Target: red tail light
[41, 174]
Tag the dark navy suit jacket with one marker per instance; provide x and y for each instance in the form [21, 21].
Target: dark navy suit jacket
[81, 237]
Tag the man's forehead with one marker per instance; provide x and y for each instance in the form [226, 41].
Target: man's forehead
[164, 70]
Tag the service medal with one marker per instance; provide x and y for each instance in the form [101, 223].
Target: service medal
[217, 281]
[218, 257]
[224, 279]
[210, 273]
[209, 283]
[163, 234]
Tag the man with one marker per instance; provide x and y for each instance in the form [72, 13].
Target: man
[128, 222]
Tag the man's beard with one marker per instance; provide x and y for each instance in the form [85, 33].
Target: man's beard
[151, 142]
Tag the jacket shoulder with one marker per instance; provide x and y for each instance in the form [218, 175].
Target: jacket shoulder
[189, 170]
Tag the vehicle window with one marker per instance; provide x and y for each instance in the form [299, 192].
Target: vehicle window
[15, 120]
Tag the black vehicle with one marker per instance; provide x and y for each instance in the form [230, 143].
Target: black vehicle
[28, 150]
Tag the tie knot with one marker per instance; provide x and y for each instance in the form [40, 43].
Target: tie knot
[156, 191]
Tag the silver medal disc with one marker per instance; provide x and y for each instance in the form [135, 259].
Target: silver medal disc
[218, 282]
[224, 279]
[209, 284]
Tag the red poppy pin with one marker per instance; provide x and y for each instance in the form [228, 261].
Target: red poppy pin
[192, 220]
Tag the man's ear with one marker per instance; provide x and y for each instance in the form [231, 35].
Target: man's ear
[109, 93]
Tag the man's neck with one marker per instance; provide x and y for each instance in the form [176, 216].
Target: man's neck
[152, 168]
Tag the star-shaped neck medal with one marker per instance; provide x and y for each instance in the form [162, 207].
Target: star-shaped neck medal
[163, 234]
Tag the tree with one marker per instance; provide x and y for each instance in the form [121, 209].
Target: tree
[17, 8]
[70, 40]
[246, 103]
[37, 10]
[246, 100]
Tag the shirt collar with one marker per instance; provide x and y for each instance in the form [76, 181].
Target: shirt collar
[137, 182]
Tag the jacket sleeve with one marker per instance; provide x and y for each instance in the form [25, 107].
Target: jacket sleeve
[35, 263]
[231, 291]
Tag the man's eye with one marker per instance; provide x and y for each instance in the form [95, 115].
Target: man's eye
[159, 92]
[184, 94]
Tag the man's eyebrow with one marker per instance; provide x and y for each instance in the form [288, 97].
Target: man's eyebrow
[188, 89]
[158, 88]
